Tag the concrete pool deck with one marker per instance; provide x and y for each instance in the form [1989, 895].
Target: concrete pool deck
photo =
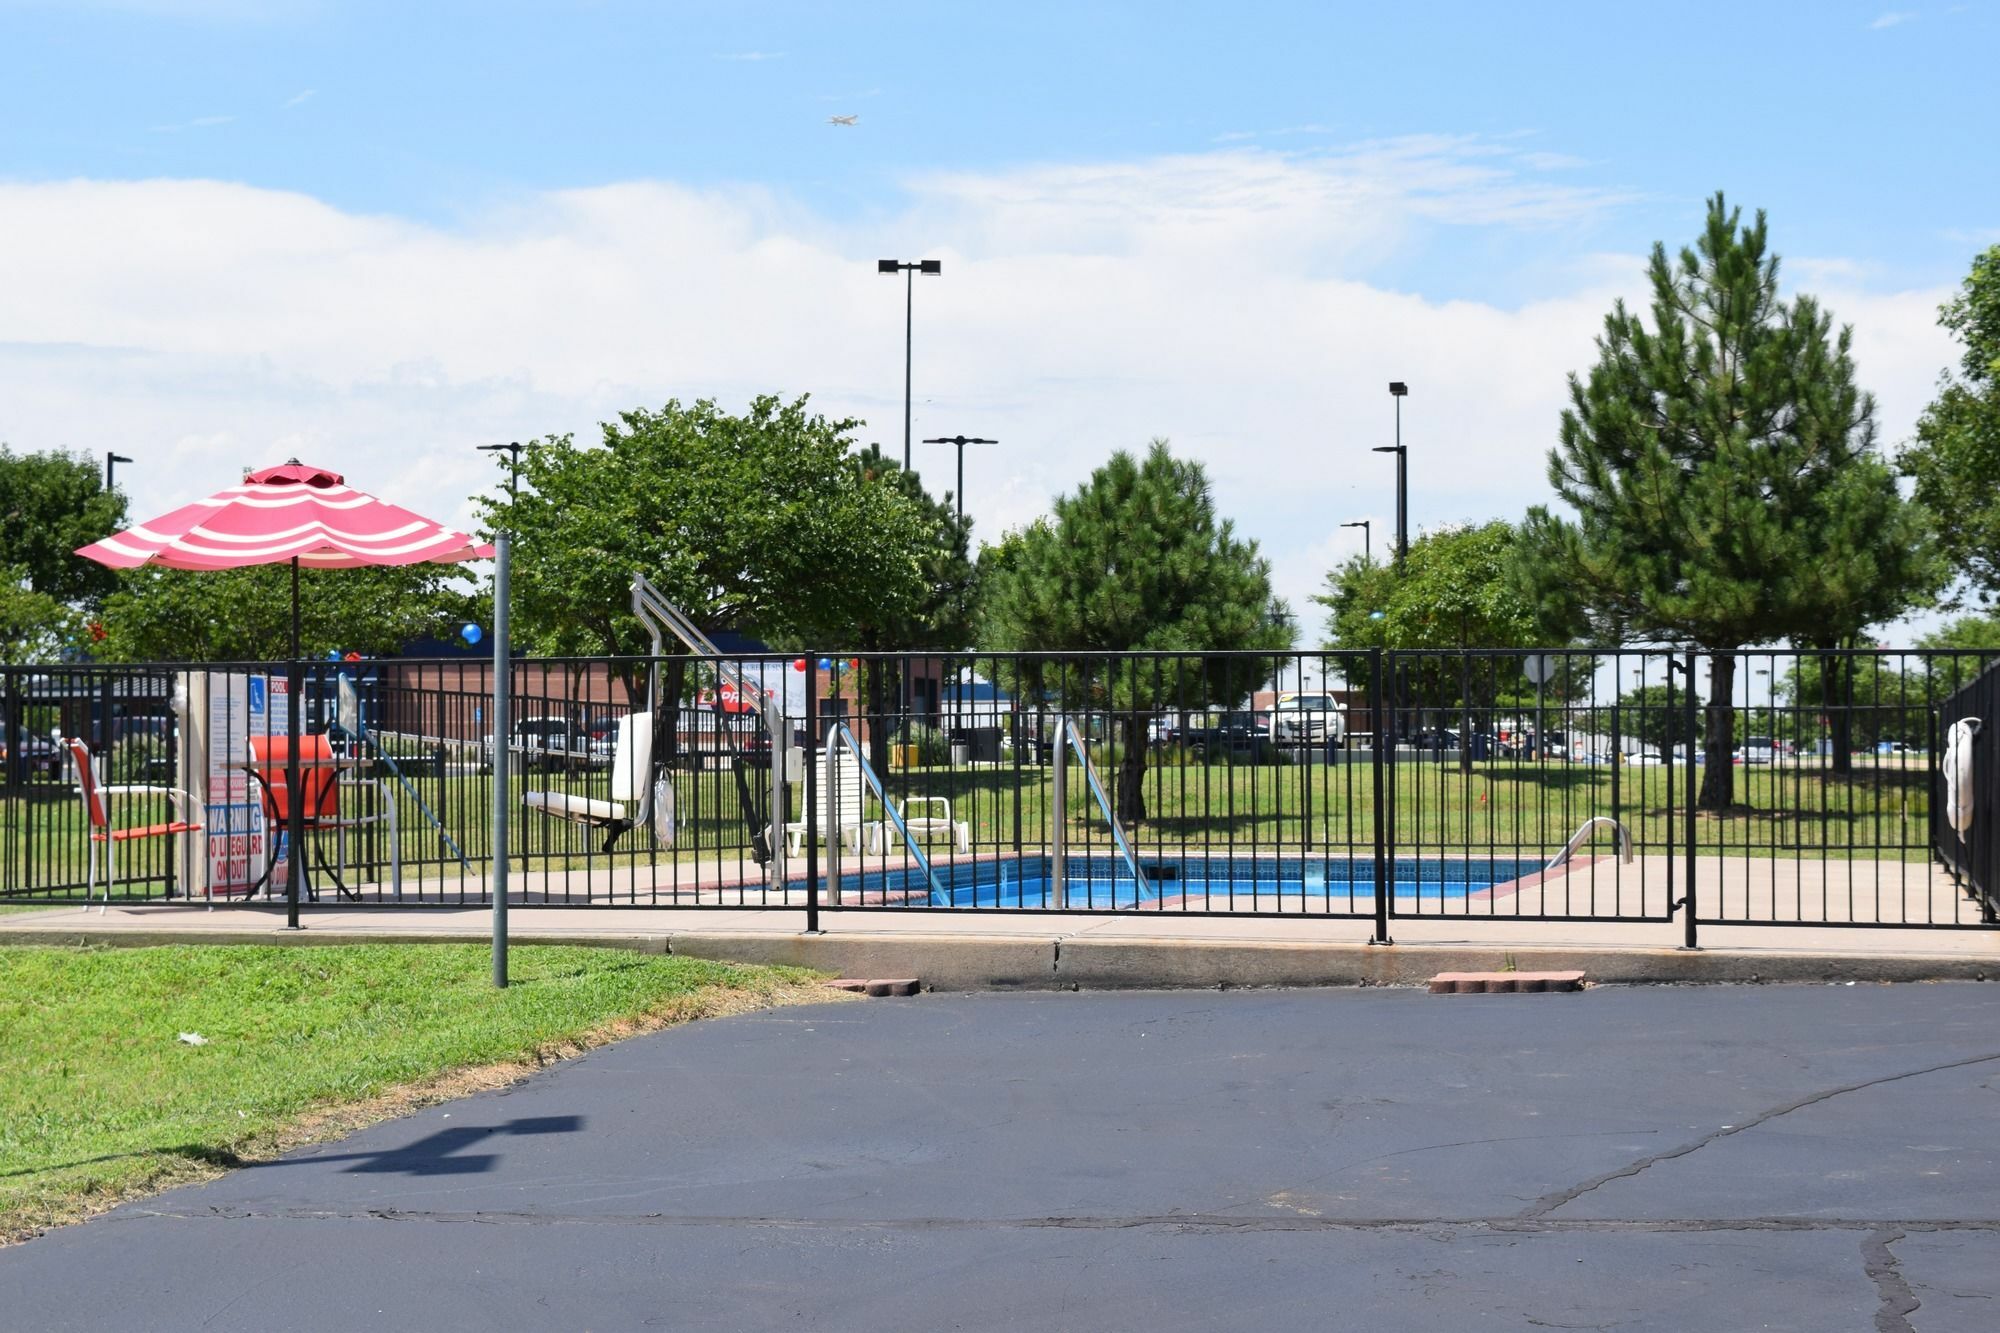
[1037, 950]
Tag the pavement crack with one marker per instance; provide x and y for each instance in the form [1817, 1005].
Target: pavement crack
[1548, 1203]
[1898, 1301]
[1179, 1222]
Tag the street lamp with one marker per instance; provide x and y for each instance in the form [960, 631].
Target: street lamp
[932, 267]
[1400, 391]
[111, 462]
[1367, 558]
[513, 465]
[961, 441]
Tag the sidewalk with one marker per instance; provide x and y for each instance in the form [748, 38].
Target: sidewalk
[1000, 950]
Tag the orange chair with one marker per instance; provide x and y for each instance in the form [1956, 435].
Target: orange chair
[97, 810]
[319, 786]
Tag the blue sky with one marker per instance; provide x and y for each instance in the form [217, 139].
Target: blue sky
[251, 227]
[1865, 130]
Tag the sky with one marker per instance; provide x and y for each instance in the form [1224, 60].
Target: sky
[375, 236]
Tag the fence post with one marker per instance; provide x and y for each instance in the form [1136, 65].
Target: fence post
[811, 758]
[1059, 819]
[1688, 940]
[1382, 886]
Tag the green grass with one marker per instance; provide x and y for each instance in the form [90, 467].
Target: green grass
[1784, 809]
[1781, 809]
[100, 1100]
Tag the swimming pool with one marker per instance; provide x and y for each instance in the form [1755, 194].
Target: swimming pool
[1223, 883]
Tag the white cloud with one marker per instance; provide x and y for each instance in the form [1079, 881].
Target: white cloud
[299, 98]
[1893, 18]
[1221, 300]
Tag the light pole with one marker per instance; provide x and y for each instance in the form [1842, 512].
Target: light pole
[961, 441]
[503, 726]
[513, 465]
[1399, 391]
[910, 268]
[1367, 547]
[111, 462]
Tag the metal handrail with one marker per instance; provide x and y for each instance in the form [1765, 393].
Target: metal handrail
[1576, 840]
[1069, 738]
[842, 734]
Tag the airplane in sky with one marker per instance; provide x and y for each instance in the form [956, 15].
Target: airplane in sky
[843, 120]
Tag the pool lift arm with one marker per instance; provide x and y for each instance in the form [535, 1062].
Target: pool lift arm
[662, 618]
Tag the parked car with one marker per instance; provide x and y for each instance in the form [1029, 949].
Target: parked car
[553, 744]
[1313, 719]
[38, 756]
[1756, 750]
[1438, 739]
[1644, 759]
[1238, 734]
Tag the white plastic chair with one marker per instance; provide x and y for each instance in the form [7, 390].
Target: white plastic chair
[839, 801]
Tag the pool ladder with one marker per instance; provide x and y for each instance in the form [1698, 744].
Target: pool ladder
[1069, 738]
[1583, 831]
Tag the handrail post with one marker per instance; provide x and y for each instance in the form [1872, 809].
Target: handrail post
[1059, 815]
[1383, 888]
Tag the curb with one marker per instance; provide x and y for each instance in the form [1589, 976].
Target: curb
[1013, 962]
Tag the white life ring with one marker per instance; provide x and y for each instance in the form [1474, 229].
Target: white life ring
[1957, 768]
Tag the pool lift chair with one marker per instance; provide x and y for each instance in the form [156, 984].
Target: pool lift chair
[632, 779]
[662, 618]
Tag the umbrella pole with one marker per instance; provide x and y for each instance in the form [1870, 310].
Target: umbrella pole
[295, 866]
[503, 737]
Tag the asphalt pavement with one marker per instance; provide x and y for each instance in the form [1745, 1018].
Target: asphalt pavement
[1729, 1158]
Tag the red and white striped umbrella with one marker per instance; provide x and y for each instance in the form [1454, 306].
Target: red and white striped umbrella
[283, 513]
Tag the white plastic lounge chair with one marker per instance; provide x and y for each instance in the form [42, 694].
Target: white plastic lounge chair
[631, 775]
[882, 834]
[839, 802]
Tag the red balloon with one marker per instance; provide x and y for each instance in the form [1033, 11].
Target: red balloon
[798, 664]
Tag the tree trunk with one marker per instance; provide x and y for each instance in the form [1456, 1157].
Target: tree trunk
[1834, 679]
[1718, 782]
[667, 712]
[1465, 712]
[1131, 800]
[881, 678]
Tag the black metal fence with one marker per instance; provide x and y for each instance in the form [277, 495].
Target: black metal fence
[1761, 787]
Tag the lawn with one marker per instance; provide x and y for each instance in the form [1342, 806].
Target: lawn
[1786, 809]
[100, 1099]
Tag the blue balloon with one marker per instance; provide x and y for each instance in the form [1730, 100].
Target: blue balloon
[471, 633]
[825, 663]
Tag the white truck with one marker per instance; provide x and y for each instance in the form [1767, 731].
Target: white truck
[1311, 719]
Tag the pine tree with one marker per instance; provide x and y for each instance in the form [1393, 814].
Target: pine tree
[1135, 560]
[1711, 460]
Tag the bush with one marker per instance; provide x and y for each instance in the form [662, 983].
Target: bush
[140, 759]
[933, 749]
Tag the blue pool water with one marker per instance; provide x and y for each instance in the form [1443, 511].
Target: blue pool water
[1218, 883]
